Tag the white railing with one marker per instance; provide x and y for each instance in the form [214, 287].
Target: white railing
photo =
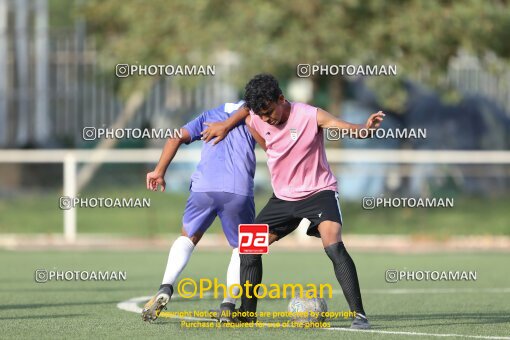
[70, 158]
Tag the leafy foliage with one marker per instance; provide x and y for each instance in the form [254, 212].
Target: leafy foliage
[276, 35]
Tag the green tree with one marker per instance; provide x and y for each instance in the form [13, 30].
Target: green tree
[276, 35]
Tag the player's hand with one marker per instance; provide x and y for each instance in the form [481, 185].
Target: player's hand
[374, 121]
[154, 180]
[216, 129]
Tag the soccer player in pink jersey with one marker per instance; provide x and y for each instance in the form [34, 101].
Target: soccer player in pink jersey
[304, 185]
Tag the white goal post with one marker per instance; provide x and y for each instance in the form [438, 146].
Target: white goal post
[71, 157]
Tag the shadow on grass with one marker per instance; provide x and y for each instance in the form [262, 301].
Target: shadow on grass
[448, 319]
[47, 289]
[41, 317]
[66, 304]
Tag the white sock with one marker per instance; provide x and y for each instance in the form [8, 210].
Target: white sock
[233, 276]
[179, 255]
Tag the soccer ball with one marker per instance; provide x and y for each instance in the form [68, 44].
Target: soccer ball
[300, 309]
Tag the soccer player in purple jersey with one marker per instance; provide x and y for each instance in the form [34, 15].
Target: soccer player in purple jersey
[222, 185]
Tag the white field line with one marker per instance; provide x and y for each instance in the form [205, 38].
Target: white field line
[439, 335]
[432, 291]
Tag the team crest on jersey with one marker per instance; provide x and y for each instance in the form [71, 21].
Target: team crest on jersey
[293, 134]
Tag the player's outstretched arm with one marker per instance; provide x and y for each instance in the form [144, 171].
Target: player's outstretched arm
[327, 120]
[220, 129]
[157, 177]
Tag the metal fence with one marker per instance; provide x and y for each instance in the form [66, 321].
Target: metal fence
[52, 83]
[77, 94]
[489, 77]
[84, 97]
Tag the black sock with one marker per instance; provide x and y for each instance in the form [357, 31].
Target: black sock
[346, 274]
[169, 286]
[251, 270]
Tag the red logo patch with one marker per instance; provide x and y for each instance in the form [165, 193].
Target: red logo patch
[253, 239]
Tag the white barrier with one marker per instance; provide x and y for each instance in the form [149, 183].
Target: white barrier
[70, 158]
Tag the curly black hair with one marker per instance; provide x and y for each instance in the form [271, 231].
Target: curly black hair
[261, 91]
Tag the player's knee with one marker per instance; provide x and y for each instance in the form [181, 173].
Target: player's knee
[248, 260]
[195, 238]
[330, 232]
[273, 238]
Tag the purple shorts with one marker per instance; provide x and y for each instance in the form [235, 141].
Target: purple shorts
[232, 209]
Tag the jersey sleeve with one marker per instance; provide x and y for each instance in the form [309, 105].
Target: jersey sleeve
[195, 126]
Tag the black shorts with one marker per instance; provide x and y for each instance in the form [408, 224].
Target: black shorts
[283, 217]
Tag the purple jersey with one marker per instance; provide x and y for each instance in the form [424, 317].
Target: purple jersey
[228, 166]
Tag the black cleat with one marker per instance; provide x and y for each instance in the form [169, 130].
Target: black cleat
[360, 322]
[224, 314]
[242, 318]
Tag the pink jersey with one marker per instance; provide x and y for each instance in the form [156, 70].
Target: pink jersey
[296, 155]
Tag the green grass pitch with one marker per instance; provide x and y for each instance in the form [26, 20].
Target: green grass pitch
[396, 310]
